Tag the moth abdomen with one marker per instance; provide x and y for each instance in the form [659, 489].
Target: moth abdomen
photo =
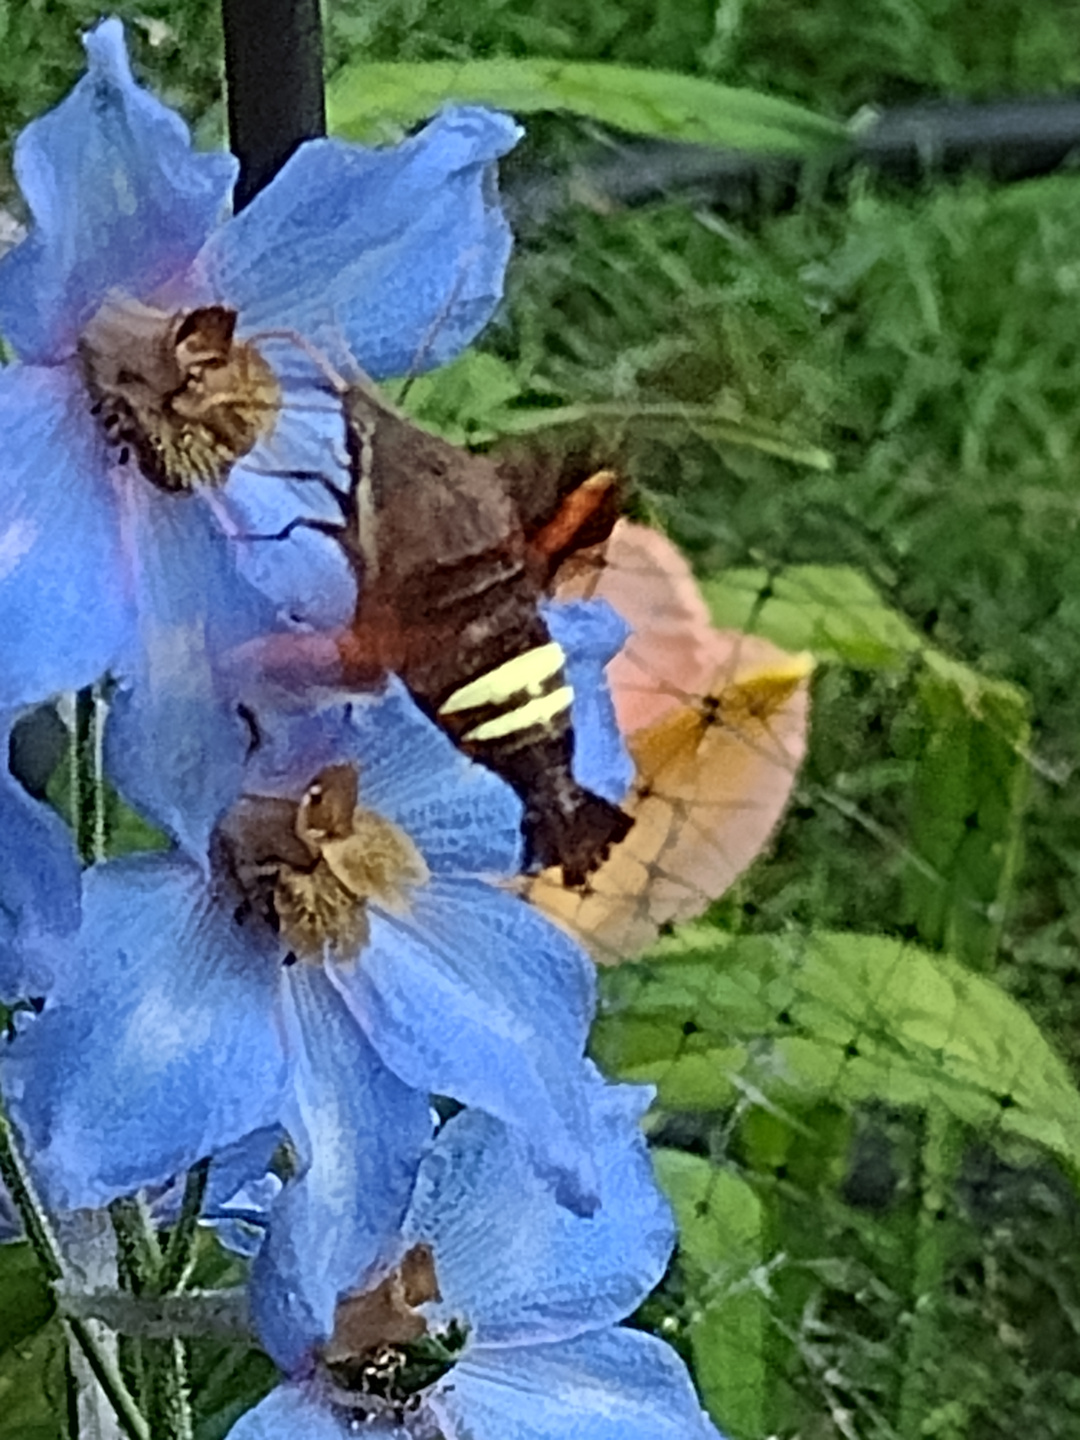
[565, 824]
[514, 699]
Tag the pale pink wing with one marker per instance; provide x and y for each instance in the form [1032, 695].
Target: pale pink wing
[716, 722]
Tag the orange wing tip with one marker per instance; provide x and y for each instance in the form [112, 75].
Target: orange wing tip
[574, 513]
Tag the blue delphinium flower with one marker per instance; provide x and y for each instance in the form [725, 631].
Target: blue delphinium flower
[351, 891]
[591, 633]
[39, 885]
[495, 1316]
[136, 395]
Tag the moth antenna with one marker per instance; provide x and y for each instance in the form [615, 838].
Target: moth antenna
[441, 317]
[318, 357]
[366, 514]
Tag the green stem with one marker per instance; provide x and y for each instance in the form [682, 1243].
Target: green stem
[939, 1158]
[178, 1252]
[159, 1367]
[24, 1197]
[39, 1233]
[139, 1251]
[111, 1381]
[99, 833]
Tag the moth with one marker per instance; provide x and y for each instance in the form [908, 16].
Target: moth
[452, 560]
[716, 725]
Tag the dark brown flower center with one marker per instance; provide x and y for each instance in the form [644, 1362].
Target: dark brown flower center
[177, 391]
[382, 1355]
[310, 868]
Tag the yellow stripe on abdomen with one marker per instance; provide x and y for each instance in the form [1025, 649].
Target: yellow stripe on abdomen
[526, 674]
[535, 712]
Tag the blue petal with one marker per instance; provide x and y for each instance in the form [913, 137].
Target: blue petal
[174, 743]
[517, 1267]
[399, 251]
[240, 1189]
[610, 1385]
[65, 614]
[462, 816]
[119, 200]
[592, 633]
[240, 1224]
[302, 571]
[10, 1224]
[39, 887]
[159, 1045]
[464, 819]
[477, 996]
[299, 1412]
[360, 1133]
[239, 1165]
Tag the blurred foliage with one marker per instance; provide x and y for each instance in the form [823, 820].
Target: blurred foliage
[367, 97]
[888, 476]
[33, 1366]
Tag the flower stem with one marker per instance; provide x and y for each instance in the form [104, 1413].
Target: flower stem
[939, 1160]
[140, 1253]
[177, 1257]
[110, 1380]
[40, 1234]
[159, 1367]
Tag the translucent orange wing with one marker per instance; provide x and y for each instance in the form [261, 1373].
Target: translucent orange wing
[716, 723]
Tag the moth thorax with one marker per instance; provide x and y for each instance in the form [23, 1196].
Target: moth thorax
[175, 391]
[310, 868]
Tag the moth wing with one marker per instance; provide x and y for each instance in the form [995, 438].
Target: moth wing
[716, 723]
[435, 506]
[672, 650]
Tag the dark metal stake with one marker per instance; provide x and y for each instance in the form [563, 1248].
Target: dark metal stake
[274, 84]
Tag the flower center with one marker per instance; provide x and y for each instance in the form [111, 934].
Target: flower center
[309, 869]
[381, 1356]
[177, 391]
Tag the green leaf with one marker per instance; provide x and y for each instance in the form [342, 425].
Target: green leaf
[465, 400]
[126, 832]
[831, 610]
[721, 1244]
[971, 768]
[967, 805]
[226, 1381]
[33, 1365]
[846, 1018]
[373, 101]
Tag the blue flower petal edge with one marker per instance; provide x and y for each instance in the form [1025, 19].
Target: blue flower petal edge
[118, 199]
[399, 252]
